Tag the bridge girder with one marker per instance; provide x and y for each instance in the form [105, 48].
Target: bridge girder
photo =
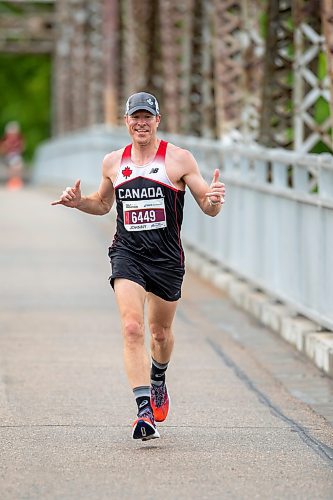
[24, 28]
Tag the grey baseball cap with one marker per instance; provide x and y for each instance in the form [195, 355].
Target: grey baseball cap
[142, 101]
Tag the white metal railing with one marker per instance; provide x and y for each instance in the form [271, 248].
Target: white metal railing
[276, 229]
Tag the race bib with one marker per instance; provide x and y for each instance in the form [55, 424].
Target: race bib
[143, 215]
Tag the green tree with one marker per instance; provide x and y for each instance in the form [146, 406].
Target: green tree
[25, 96]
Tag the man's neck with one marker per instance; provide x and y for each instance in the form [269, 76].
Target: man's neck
[144, 153]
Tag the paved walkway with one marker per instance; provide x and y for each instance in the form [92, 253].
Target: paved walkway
[247, 416]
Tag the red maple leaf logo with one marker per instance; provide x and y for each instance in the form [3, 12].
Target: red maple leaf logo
[127, 172]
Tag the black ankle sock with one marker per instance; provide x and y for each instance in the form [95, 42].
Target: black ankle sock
[142, 397]
[157, 373]
[143, 403]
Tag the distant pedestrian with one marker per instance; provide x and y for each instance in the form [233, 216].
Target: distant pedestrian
[12, 147]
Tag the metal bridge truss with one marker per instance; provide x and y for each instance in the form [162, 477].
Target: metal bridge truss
[218, 69]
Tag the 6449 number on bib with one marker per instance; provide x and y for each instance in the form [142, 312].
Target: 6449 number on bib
[143, 215]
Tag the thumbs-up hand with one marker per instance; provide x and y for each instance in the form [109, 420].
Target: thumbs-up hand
[217, 190]
[71, 197]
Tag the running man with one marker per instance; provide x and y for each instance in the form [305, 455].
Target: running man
[147, 179]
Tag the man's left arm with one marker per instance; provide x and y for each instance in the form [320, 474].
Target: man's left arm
[210, 198]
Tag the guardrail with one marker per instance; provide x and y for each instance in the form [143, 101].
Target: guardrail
[276, 230]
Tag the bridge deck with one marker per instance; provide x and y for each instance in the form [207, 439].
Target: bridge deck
[246, 418]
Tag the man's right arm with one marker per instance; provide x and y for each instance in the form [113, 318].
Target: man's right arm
[98, 203]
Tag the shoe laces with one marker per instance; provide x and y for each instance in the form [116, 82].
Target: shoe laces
[147, 413]
[159, 394]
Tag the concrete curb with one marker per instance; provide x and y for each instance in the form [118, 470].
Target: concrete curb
[307, 336]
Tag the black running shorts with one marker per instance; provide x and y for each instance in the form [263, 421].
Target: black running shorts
[165, 283]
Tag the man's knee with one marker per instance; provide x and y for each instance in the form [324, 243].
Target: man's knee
[133, 331]
[159, 332]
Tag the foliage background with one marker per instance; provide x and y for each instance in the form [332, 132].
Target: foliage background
[25, 96]
[25, 85]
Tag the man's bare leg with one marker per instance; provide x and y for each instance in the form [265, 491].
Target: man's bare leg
[161, 314]
[131, 299]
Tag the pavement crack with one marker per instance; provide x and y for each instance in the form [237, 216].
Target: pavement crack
[324, 451]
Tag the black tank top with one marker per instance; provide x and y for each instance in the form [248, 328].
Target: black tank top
[149, 211]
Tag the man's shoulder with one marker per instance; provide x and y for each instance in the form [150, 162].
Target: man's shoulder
[176, 153]
[112, 161]
[113, 157]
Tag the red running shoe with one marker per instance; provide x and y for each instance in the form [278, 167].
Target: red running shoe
[144, 427]
[160, 402]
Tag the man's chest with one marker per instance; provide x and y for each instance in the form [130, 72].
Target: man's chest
[135, 176]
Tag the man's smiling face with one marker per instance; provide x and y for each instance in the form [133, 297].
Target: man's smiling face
[142, 126]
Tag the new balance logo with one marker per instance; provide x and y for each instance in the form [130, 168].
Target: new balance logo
[154, 170]
[144, 403]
